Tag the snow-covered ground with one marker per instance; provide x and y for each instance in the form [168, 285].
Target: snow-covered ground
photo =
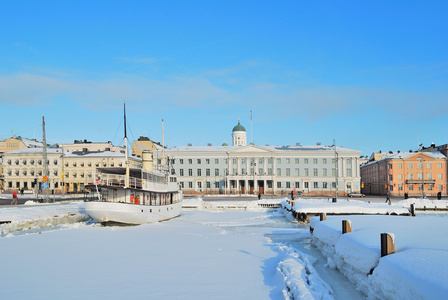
[215, 254]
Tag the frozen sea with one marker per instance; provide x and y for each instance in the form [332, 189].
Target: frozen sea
[54, 252]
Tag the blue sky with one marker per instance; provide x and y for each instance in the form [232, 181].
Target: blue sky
[371, 74]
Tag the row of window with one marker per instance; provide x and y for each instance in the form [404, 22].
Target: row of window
[280, 184]
[411, 166]
[31, 162]
[253, 161]
[297, 172]
[411, 187]
[97, 164]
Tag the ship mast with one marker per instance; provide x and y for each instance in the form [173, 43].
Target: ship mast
[126, 150]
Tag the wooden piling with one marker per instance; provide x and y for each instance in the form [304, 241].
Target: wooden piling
[413, 209]
[387, 244]
[323, 216]
[346, 226]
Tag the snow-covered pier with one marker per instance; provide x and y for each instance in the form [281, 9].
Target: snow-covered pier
[37, 216]
[417, 270]
[303, 209]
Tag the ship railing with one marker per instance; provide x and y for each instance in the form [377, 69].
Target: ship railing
[119, 180]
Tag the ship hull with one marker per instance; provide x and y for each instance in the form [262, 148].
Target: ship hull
[132, 214]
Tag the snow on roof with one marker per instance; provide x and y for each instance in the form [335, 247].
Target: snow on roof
[269, 148]
[404, 155]
[36, 150]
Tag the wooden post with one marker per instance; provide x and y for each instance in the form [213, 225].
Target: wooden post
[413, 209]
[293, 204]
[346, 226]
[387, 244]
[323, 216]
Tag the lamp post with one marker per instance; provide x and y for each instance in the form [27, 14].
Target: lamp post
[336, 175]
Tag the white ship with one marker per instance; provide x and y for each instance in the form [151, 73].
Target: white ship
[134, 196]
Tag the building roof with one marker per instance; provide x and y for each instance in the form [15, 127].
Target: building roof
[405, 155]
[267, 148]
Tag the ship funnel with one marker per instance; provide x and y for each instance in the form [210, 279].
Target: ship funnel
[147, 160]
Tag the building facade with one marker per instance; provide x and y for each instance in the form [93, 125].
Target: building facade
[68, 172]
[251, 169]
[411, 173]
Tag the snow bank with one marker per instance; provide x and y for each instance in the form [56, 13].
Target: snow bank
[35, 215]
[300, 278]
[224, 205]
[418, 269]
[421, 203]
[343, 206]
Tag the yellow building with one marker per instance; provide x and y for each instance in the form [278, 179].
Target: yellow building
[16, 143]
[144, 144]
[69, 172]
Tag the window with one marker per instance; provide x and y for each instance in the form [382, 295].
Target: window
[216, 172]
[307, 172]
[297, 185]
[391, 188]
[297, 172]
[190, 184]
[428, 165]
[324, 172]
[419, 176]
[324, 185]
[400, 187]
[400, 166]
[217, 184]
[333, 185]
[439, 166]
[190, 161]
[411, 187]
[440, 187]
[261, 160]
[420, 187]
[260, 171]
[410, 176]
[207, 161]
[234, 161]
[306, 185]
[400, 177]
[279, 160]
[316, 184]
[182, 184]
[279, 184]
[270, 160]
[324, 160]
[349, 172]
[297, 161]
[207, 172]
[333, 172]
[430, 187]
[279, 172]
[410, 166]
[199, 161]
[390, 177]
[315, 161]
[439, 176]
[190, 172]
[315, 172]
[270, 171]
[288, 172]
[390, 166]
[216, 160]
[419, 166]
[305, 161]
[207, 184]
[288, 185]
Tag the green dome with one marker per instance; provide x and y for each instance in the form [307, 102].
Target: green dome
[224, 144]
[239, 127]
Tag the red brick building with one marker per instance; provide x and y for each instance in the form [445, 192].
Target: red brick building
[415, 173]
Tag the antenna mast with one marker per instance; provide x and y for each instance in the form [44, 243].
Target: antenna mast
[46, 173]
[251, 139]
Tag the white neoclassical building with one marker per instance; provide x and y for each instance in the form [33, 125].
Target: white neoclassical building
[251, 169]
